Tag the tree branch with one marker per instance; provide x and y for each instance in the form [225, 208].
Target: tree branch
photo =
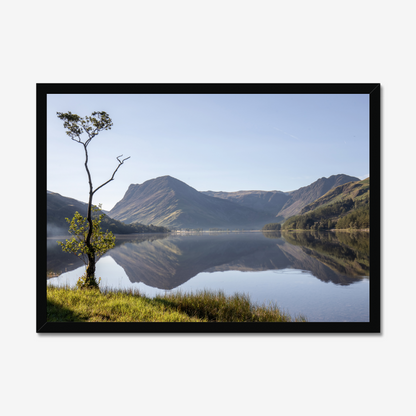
[78, 141]
[112, 177]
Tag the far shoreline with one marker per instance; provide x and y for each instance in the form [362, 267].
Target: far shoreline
[176, 232]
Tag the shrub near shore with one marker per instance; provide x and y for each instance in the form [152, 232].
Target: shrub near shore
[72, 305]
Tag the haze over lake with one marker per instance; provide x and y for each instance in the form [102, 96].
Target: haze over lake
[322, 275]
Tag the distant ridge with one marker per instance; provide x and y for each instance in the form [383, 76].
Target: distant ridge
[269, 201]
[169, 202]
[284, 204]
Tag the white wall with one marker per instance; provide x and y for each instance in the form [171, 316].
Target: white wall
[187, 41]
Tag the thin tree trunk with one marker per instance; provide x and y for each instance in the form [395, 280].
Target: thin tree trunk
[91, 253]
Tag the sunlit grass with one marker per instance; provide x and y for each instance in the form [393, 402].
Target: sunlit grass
[66, 304]
[218, 307]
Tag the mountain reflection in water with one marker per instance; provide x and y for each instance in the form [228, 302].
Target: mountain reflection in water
[168, 261]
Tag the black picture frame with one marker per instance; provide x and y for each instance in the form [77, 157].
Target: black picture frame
[373, 326]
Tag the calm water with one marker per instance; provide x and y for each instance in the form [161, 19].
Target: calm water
[324, 276]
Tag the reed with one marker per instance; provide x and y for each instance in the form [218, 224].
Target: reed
[218, 307]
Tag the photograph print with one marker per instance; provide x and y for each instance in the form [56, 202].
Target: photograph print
[208, 208]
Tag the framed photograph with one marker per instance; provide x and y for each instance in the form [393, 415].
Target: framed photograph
[225, 208]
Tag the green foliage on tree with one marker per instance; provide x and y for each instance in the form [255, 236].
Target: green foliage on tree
[358, 219]
[76, 126]
[100, 242]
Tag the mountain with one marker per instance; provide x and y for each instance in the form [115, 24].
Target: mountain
[269, 201]
[303, 196]
[171, 203]
[166, 201]
[59, 207]
[284, 204]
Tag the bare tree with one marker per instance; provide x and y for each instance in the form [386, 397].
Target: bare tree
[76, 126]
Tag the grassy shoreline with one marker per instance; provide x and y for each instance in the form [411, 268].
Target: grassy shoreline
[72, 305]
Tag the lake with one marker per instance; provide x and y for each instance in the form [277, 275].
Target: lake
[321, 275]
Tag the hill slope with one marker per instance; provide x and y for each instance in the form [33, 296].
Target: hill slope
[59, 207]
[303, 196]
[346, 206]
[355, 190]
[169, 202]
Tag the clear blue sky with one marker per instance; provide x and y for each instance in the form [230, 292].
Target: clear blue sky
[211, 142]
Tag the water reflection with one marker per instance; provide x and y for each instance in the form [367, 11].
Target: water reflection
[347, 253]
[59, 262]
[168, 261]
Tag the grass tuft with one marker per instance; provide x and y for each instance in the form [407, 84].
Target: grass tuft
[218, 307]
